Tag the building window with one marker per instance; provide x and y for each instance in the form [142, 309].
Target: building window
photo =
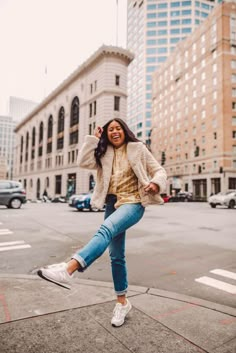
[232, 181]
[40, 148]
[94, 107]
[33, 144]
[117, 103]
[61, 116]
[233, 78]
[117, 80]
[27, 147]
[234, 106]
[74, 117]
[74, 137]
[234, 134]
[58, 185]
[234, 120]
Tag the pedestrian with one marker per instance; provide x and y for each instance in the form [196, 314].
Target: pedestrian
[128, 179]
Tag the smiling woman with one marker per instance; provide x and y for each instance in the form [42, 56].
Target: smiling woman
[128, 179]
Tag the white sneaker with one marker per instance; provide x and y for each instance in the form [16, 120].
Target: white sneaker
[119, 313]
[57, 274]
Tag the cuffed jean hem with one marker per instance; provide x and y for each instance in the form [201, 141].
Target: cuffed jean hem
[81, 261]
[121, 292]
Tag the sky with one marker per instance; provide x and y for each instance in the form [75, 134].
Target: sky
[43, 41]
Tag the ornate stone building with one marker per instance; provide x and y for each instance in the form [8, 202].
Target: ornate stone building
[49, 138]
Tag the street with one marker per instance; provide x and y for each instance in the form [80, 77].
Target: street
[186, 248]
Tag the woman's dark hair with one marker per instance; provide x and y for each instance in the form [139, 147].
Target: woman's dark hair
[104, 142]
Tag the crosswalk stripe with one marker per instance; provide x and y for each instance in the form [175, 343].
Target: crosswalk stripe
[224, 273]
[18, 242]
[217, 284]
[5, 231]
[6, 248]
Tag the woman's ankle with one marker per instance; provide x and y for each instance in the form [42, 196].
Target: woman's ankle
[72, 266]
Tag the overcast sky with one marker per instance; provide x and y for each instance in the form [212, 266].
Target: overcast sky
[55, 34]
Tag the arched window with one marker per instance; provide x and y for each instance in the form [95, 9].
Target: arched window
[74, 121]
[61, 117]
[50, 121]
[40, 149]
[33, 144]
[27, 147]
[21, 148]
[50, 131]
[60, 128]
[74, 115]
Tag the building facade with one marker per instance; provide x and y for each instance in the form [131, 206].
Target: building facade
[194, 108]
[154, 28]
[7, 125]
[49, 138]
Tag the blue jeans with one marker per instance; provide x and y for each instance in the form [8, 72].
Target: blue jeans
[112, 234]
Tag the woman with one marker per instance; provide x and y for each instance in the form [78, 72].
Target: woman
[123, 165]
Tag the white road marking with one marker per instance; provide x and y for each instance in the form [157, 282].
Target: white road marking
[13, 245]
[224, 273]
[6, 248]
[5, 231]
[217, 284]
[6, 243]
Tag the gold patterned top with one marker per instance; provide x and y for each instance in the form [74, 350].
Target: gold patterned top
[123, 182]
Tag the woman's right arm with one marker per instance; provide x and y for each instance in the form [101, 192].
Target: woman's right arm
[86, 157]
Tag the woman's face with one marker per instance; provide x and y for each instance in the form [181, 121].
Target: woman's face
[115, 134]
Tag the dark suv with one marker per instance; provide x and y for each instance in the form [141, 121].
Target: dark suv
[12, 194]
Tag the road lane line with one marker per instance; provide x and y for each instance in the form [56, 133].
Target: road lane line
[18, 242]
[217, 284]
[224, 273]
[15, 247]
[5, 231]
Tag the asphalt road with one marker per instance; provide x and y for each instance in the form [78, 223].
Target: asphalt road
[187, 248]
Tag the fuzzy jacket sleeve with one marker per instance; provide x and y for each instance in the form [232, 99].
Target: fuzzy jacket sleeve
[156, 171]
[86, 157]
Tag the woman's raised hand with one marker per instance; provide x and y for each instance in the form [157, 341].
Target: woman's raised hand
[98, 132]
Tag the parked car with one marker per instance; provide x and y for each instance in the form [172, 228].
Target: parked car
[227, 198]
[184, 196]
[83, 202]
[12, 194]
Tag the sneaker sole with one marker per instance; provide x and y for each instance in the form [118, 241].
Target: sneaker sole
[124, 319]
[40, 274]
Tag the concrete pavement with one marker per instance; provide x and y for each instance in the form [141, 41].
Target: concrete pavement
[37, 316]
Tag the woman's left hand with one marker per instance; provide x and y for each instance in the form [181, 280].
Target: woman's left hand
[152, 188]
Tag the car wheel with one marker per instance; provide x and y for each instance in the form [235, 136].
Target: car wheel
[15, 203]
[231, 204]
[213, 205]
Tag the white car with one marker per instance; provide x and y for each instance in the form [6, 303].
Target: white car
[227, 198]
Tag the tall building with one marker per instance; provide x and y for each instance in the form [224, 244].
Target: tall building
[7, 126]
[49, 138]
[154, 28]
[19, 108]
[194, 108]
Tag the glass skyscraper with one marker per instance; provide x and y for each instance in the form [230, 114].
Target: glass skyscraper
[154, 28]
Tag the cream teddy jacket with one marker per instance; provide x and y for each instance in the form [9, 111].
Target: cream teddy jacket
[144, 165]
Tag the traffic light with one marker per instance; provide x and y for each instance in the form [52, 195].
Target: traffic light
[163, 158]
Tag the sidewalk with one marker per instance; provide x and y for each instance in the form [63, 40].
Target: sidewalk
[39, 317]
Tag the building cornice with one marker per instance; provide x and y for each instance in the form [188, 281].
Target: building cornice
[103, 51]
